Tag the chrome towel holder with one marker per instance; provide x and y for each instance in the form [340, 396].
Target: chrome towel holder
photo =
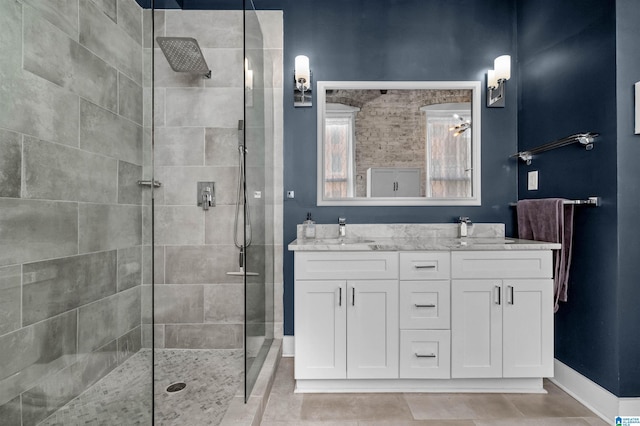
[585, 139]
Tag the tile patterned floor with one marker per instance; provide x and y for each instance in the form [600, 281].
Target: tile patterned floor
[123, 396]
[288, 409]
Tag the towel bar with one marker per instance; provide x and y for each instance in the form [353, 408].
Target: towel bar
[585, 139]
[591, 201]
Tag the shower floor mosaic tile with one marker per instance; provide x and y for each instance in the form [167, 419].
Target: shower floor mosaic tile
[122, 397]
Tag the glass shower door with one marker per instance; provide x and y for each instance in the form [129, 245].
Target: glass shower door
[259, 196]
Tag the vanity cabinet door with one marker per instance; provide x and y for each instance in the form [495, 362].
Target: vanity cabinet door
[372, 329]
[320, 327]
[502, 328]
[476, 328]
[527, 328]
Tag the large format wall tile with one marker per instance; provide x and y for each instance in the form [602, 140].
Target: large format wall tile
[54, 286]
[200, 264]
[33, 230]
[109, 41]
[108, 319]
[202, 107]
[221, 147]
[178, 304]
[32, 352]
[59, 172]
[106, 133]
[179, 225]
[108, 227]
[219, 225]
[10, 298]
[227, 67]
[129, 267]
[10, 164]
[224, 303]
[204, 336]
[130, 19]
[38, 108]
[211, 28]
[180, 146]
[51, 54]
[129, 191]
[58, 389]
[61, 13]
[130, 103]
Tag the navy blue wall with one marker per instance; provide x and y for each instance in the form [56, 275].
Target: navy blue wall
[628, 72]
[567, 53]
[396, 40]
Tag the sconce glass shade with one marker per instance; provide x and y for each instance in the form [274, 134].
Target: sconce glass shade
[502, 67]
[302, 70]
[492, 81]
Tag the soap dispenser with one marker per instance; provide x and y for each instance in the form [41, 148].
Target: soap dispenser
[309, 227]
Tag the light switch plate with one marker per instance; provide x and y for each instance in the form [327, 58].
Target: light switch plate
[532, 181]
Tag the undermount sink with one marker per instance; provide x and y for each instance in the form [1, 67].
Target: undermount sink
[343, 241]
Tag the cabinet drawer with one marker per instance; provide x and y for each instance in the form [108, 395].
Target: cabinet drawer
[425, 354]
[424, 265]
[346, 265]
[502, 264]
[425, 304]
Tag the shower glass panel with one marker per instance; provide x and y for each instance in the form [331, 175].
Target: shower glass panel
[74, 234]
[259, 160]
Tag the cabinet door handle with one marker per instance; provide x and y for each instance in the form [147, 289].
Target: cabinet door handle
[424, 266]
[430, 305]
[353, 296]
[498, 291]
[340, 297]
[425, 355]
[510, 287]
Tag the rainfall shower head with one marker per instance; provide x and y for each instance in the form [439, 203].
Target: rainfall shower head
[184, 55]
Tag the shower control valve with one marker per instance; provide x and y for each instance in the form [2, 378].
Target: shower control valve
[206, 195]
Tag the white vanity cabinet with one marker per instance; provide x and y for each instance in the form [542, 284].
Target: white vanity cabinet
[346, 315]
[502, 314]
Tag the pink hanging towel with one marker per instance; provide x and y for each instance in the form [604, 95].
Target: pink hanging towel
[550, 220]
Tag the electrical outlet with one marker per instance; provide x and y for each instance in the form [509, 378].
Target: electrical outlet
[532, 181]
[291, 194]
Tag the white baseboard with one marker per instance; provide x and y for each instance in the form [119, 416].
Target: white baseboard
[288, 346]
[593, 396]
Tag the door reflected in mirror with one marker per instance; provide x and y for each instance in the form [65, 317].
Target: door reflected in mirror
[398, 143]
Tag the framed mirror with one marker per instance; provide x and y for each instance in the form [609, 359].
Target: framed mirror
[392, 143]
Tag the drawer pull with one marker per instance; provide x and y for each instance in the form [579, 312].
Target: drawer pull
[425, 355]
[424, 266]
[510, 287]
[353, 296]
[498, 292]
[340, 297]
[430, 305]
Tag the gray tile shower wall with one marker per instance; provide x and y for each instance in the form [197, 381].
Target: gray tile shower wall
[197, 305]
[71, 153]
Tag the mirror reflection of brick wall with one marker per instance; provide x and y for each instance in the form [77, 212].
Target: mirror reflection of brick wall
[390, 128]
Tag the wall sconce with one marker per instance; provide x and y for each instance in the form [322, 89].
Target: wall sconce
[496, 79]
[302, 93]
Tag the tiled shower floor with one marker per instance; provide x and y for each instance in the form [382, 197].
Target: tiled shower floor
[123, 396]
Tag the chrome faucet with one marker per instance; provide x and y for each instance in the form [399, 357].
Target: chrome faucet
[342, 226]
[464, 222]
[207, 198]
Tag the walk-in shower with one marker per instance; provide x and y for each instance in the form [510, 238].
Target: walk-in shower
[112, 286]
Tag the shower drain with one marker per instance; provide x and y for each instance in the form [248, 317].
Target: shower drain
[176, 387]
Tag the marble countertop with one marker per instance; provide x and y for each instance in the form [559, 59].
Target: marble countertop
[418, 244]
